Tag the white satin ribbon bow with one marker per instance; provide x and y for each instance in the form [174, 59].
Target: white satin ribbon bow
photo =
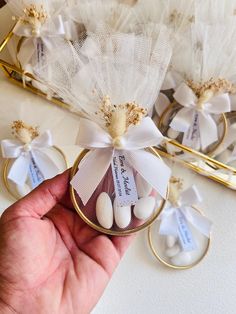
[95, 165]
[207, 126]
[23, 153]
[169, 224]
[51, 28]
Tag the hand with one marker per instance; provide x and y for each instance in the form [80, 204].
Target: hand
[50, 260]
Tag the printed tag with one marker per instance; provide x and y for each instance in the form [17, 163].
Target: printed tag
[35, 174]
[184, 233]
[40, 52]
[192, 136]
[123, 177]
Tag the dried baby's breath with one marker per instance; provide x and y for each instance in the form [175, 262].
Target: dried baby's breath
[177, 18]
[176, 186]
[216, 86]
[18, 125]
[33, 12]
[119, 117]
[34, 16]
[177, 181]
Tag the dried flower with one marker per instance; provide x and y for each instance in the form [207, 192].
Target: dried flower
[24, 132]
[35, 16]
[177, 18]
[177, 181]
[119, 117]
[176, 186]
[216, 86]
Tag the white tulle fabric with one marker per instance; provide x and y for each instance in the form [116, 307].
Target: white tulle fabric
[214, 11]
[90, 13]
[126, 67]
[205, 51]
[176, 15]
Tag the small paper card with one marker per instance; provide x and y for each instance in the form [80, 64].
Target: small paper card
[40, 52]
[192, 136]
[184, 233]
[123, 177]
[35, 175]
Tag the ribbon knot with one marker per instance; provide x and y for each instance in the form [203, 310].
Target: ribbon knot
[23, 154]
[118, 142]
[27, 148]
[205, 107]
[169, 224]
[102, 147]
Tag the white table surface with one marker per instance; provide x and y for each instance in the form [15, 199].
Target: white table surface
[141, 284]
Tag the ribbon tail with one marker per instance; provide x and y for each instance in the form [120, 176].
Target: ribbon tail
[200, 222]
[91, 172]
[168, 224]
[45, 164]
[208, 130]
[190, 196]
[182, 120]
[151, 168]
[19, 170]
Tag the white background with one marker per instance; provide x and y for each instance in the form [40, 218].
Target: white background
[141, 284]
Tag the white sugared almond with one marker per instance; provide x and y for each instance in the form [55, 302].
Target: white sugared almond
[171, 133]
[144, 207]
[23, 190]
[170, 241]
[173, 251]
[104, 210]
[143, 188]
[122, 215]
[181, 259]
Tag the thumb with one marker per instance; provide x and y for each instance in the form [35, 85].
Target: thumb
[37, 203]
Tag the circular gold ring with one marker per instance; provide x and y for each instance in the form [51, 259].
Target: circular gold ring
[5, 171]
[161, 260]
[99, 228]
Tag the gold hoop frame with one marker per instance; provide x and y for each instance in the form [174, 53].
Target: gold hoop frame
[99, 228]
[162, 261]
[6, 170]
